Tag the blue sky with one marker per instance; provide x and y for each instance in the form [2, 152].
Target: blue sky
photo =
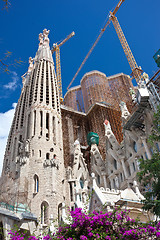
[22, 23]
[24, 20]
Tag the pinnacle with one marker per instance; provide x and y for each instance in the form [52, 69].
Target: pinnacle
[44, 51]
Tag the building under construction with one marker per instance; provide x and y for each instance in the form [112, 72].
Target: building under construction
[57, 154]
[104, 92]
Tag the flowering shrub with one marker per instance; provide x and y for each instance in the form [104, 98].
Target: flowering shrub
[110, 226]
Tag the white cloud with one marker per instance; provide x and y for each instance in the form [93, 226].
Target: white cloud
[13, 84]
[5, 124]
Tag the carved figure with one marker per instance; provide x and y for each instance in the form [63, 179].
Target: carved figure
[45, 34]
[40, 39]
[133, 94]
[30, 64]
[27, 146]
[21, 147]
[124, 110]
[117, 182]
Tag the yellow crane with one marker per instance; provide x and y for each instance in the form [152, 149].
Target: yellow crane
[136, 71]
[56, 49]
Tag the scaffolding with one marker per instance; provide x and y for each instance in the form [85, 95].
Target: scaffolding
[11, 197]
[96, 87]
[154, 89]
[74, 99]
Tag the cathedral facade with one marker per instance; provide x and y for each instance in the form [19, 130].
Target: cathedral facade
[57, 154]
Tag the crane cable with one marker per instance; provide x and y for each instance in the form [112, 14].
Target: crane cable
[98, 38]
[90, 51]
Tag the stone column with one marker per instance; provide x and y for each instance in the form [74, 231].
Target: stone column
[104, 180]
[71, 135]
[112, 185]
[124, 168]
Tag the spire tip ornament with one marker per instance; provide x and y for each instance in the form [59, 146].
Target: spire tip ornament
[41, 39]
[45, 35]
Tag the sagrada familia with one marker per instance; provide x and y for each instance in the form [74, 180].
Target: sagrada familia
[80, 153]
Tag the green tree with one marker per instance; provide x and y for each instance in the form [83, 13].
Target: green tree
[149, 174]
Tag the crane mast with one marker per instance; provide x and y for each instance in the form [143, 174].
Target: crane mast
[136, 71]
[56, 49]
[58, 72]
[95, 43]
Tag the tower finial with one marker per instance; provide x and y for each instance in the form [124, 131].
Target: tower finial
[40, 39]
[45, 35]
[30, 64]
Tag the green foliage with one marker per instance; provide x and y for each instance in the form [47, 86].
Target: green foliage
[155, 137]
[149, 175]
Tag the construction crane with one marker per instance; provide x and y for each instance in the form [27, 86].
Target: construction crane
[136, 71]
[56, 49]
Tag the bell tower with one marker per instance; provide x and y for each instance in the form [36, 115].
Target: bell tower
[34, 153]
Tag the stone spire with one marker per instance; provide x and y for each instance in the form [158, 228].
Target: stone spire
[34, 152]
[44, 51]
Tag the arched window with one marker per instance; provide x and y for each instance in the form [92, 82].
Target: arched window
[71, 191]
[47, 156]
[146, 155]
[34, 130]
[114, 183]
[41, 122]
[47, 125]
[81, 181]
[40, 153]
[134, 167]
[60, 213]
[129, 172]
[135, 146]
[121, 177]
[99, 179]
[115, 164]
[53, 129]
[36, 184]
[44, 212]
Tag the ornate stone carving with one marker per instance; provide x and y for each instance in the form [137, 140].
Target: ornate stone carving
[51, 163]
[30, 64]
[21, 160]
[133, 94]
[124, 110]
[45, 35]
[41, 39]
